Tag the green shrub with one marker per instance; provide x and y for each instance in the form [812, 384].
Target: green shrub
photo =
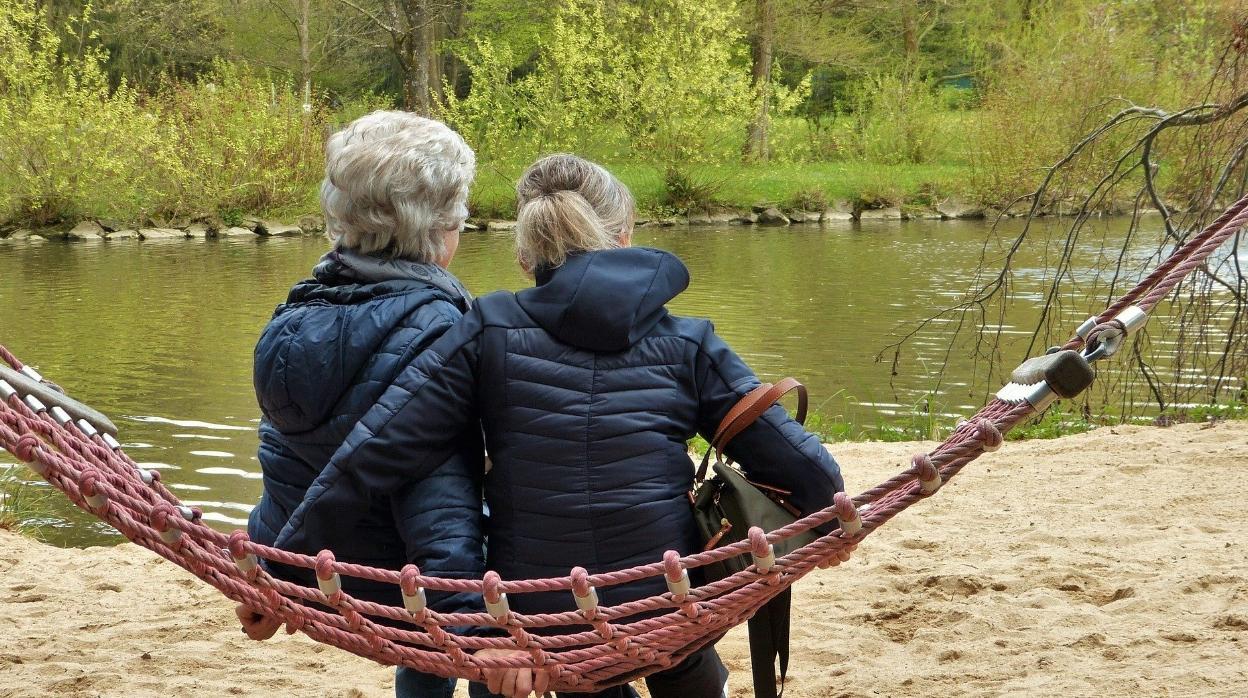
[70, 145]
[898, 118]
[667, 84]
[809, 199]
[242, 142]
[684, 193]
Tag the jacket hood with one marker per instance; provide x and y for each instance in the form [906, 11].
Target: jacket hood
[318, 343]
[605, 300]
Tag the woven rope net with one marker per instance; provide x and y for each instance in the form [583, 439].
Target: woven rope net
[594, 646]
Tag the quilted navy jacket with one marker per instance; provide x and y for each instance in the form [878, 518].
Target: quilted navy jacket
[323, 360]
[587, 389]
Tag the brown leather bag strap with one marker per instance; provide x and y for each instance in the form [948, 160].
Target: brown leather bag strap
[747, 410]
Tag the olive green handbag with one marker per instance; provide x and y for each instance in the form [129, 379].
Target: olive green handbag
[727, 505]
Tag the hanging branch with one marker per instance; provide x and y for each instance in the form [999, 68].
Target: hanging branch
[1213, 135]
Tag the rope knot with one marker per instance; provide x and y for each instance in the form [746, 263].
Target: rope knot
[490, 587]
[407, 579]
[89, 487]
[324, 565]
[235, 546]
[672, 569]
[988, 434]
[160, 519]
[87, 484]
[847, 514]
[926, 473]
[414, 599]
[25, 447]
[496, 603]
[758, 542]
[762, 551]
[580, 581]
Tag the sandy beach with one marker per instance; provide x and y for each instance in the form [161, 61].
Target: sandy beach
[1113, 563]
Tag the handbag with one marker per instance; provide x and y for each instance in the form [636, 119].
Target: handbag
[727, 505]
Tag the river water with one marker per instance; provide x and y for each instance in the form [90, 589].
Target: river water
[159, 334]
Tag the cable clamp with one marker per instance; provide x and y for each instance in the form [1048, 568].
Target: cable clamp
[60, 415]
[588, 602]
[415, 602]
[499, 609]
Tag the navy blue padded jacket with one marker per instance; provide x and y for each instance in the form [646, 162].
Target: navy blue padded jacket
[321, 363]
[587, 390]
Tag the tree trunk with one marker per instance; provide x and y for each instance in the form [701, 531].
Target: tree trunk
[756, 145]
[455, 21]
[910, 32]
[432, 40]
[305, 51]
[418, 42]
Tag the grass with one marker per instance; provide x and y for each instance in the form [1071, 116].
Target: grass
[22, 504]
[741, 185]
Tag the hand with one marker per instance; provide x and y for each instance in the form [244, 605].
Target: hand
[257, 625]
[842, 555]
[511, 683]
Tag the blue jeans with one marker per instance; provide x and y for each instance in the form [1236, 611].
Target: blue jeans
[409, 683]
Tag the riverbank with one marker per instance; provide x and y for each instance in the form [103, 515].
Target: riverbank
[1108, 563]
[836, 214]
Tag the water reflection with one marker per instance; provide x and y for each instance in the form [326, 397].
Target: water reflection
[161, 336]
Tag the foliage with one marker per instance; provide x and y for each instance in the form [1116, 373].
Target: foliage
[69, 145]
[232, 140]
[668, 84]
[1060, 420]
[161, 109]
[1070, 68]
[899, 118]
[737, 184]
[240, 142]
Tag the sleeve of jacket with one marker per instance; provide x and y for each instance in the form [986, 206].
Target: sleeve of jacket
[440, 521]
[417, 424]
[775, 449]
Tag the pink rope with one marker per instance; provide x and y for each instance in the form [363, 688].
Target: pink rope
[612, 643]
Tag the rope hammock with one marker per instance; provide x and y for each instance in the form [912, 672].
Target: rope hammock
[76, 450]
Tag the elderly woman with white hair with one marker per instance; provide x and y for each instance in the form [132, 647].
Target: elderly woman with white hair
[394, 198]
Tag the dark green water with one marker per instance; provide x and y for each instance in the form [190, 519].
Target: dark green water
[159, 334]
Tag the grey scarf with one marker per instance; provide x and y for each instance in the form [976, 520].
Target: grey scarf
[369, 269]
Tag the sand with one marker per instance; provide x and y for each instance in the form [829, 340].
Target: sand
[1111, 563]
